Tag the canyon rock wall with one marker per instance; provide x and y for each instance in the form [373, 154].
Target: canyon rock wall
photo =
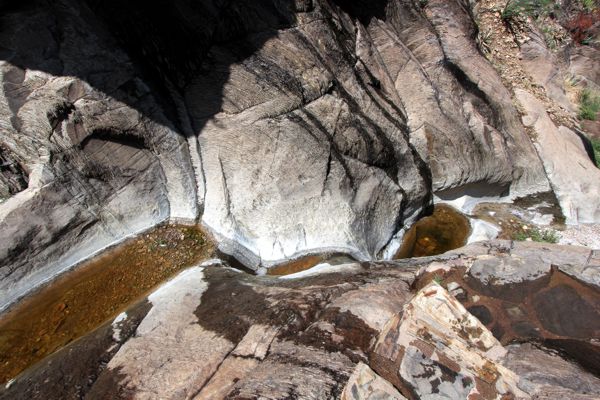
[287, 127]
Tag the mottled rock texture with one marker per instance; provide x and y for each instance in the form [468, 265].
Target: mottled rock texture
[288, 127]
[216, 333]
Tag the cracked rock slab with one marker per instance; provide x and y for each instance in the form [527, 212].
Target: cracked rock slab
[437, 348]
[365, 384]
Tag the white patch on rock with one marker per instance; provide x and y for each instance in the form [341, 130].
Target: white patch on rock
[482, 230]
[438, 266]
[171, 354]
[212, 261]
[115, 325]
[365, 384]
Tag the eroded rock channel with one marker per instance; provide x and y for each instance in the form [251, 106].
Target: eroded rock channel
[290, 129]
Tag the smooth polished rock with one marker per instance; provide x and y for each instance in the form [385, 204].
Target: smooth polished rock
[574, 179]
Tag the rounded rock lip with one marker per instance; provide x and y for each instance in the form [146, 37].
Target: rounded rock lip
[504, 270]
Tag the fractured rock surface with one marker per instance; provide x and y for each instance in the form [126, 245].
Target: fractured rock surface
[216, 333]
[438, 349]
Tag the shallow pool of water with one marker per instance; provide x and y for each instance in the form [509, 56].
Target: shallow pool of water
[446, 229]
[80, 300]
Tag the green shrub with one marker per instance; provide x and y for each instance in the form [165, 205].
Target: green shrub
[589, 5]
[530, 8]
[589, 105]
[537, 235]
[596, 146]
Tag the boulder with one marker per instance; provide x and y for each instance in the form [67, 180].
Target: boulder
[436, 348]
[559, 377]
[574, 179]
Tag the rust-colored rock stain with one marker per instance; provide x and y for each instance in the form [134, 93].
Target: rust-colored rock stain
[446, 229]
[534, 310]
[97, 290]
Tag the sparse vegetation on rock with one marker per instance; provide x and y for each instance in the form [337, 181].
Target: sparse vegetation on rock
[537, 235]
[529, 8]
[596, 147]
[589, 105]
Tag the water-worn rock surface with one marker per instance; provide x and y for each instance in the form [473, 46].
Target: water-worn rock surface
[295, 126]
[304, 132]
[367, 331]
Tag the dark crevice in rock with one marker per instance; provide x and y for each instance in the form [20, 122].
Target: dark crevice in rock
[60, 113]
[13, 176]
[586, 354]
[123, 138]
[587, 145]
[478, 97]
[385, 158]
[364, 10]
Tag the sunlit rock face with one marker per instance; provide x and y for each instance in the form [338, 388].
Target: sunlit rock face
[287, 127]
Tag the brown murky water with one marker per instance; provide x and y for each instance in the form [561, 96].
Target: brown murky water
[94, 292]
[298, 265]
[446, 229]
[307, 262]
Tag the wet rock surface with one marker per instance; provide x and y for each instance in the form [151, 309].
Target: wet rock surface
[376, 330]
[95, 291]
